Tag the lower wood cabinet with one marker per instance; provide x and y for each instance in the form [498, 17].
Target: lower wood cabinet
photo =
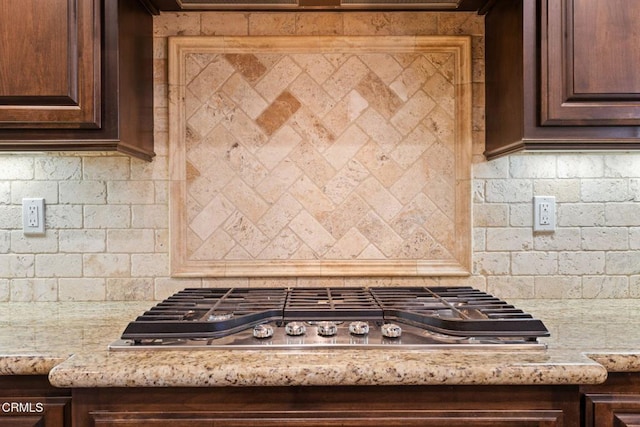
[508, 406]
[614, 403]
[29, 401]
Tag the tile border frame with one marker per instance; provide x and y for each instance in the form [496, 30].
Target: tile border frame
[180, 46]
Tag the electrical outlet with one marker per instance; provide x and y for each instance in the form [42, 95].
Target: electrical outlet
[544, 213]
[33, 216]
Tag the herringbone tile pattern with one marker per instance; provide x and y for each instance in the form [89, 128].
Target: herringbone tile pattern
[320, 156]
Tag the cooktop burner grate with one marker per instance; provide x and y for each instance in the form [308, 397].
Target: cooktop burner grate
[338, 304]
[210, 313]
[457, 311]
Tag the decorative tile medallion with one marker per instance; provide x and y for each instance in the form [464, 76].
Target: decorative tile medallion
[320, 156]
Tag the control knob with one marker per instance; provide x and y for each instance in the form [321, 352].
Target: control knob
[327, 329]
[295, 329]
[359, 328]
[391, 330]
[263, 331]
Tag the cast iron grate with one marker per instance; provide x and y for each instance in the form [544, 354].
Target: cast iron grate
[209, 313]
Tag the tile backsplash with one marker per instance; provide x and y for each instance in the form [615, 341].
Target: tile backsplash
[320, 156]
[107, 214]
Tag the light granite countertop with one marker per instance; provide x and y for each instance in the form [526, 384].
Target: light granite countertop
[69, 341]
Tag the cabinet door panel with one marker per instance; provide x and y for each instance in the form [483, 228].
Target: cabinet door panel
[50, 68]
[589, 62]
[608, 410]
[35, 411]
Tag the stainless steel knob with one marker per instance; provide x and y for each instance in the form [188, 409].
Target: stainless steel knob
[359, 328]
[263, 331]
[391, 330]
[295, 329]
[327, 329]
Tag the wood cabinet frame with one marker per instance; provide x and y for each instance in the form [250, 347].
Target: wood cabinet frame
[122, 75]
[526, 68]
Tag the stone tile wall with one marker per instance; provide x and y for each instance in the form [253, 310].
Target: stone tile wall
[107, 214]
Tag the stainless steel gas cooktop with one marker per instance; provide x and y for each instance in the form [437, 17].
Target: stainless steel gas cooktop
[267, 318]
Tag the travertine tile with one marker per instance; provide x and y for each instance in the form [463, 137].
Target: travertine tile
[20, 243]
[319, 24]
[82, 241]
[131, 241]
[604, 190]
[16, 167]
[54, 265]
[605, 287]
[33, 290]
[558, 287]
[622, 214]
[106, 265]
[534, 263]
[625, 262]
[105, 168]
[224, 23]
[58, 168]
[84, 289]
[272, 24]
[128, 289]
[45, 189]
[581, 263]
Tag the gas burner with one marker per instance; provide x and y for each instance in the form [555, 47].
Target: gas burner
[220, 316]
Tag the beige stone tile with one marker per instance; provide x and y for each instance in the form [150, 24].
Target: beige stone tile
[345, 112]
[245, 199]
[272, 24]
[106, 265]
[107, 216]
[48, 265]
[319, 23]
[316, 66]
[58, 168]
[82, 240]
[224, 23]
[398, 23]
[129, 289]
[278, 78]
[32, 289]
[84, 289]
[181, 23]
[312, 233]
[345, 181]
[246, 234]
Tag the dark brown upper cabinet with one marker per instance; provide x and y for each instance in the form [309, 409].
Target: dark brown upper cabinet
[76, 75]
[562, 75]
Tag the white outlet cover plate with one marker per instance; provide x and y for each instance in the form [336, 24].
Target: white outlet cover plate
[33, 216]
[540, 223]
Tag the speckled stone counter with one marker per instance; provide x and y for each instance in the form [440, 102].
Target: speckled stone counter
[39, 337]
[35, 337]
